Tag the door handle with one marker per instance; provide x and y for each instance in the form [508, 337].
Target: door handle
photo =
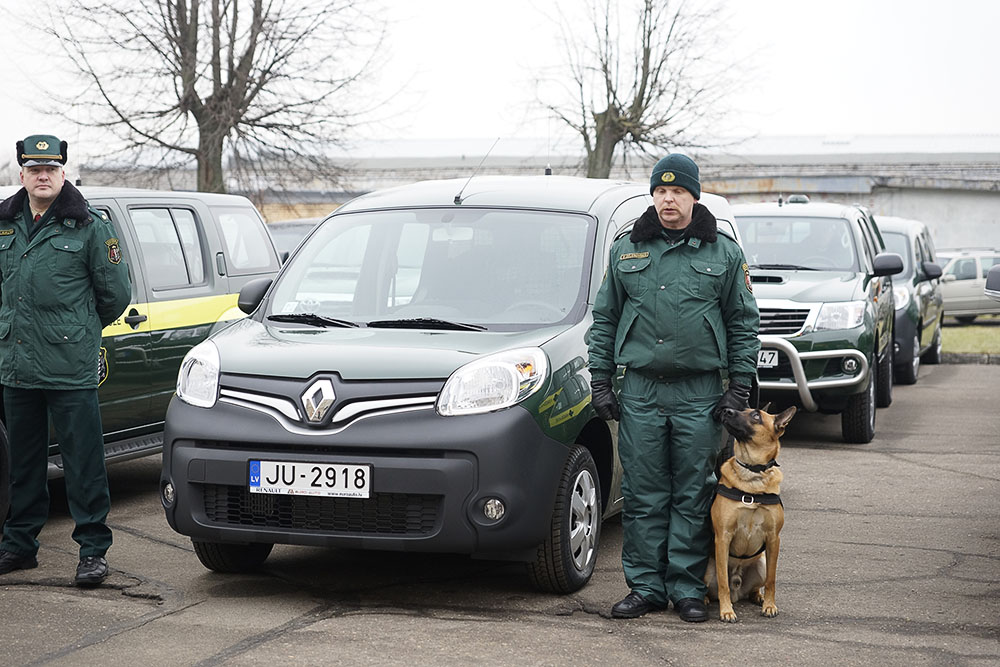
[134, 319]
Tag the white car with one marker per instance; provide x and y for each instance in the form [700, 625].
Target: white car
[963, 283]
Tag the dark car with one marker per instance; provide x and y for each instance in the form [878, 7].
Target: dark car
[917, 296]
[414, 380]
[820, 273]
[189, 254]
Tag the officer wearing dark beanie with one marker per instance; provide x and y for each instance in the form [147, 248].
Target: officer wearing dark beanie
[676, 310]
[63, 280]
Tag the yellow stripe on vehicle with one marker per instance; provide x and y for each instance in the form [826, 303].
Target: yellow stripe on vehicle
[177, 314]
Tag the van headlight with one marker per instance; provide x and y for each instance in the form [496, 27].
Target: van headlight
[198, 378]
[900, 296]
[494, 382]
[841, 315]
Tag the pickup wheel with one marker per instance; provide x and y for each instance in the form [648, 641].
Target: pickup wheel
[933, 355]
[223, 557]
[883, 379]
[565, 560]
[4, 474]
[965, 319]
[907, 373]
[857, 421]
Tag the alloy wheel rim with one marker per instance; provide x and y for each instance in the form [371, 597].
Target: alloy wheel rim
[583, 520]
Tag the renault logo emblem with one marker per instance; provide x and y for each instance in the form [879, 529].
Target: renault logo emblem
[317, 400]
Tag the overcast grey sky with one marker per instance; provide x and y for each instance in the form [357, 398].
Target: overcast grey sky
[466, 69]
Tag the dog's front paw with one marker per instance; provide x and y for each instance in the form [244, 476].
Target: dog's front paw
[769, 610]
[727, 616]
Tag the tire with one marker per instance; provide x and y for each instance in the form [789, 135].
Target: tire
[566, 559]
[907, 373]
[857, 421]
[883, 379]
[933, 355]
[223, 557]
[965, 319]
[4, 475]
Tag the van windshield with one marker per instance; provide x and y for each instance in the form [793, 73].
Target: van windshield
[499, 268]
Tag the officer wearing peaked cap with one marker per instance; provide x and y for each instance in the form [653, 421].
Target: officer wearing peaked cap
[676, 310]
[62, 280]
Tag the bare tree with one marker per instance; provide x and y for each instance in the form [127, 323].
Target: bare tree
[648, 76]
[258, 83]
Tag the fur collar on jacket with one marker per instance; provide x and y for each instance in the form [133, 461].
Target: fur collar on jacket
[703, 225]
[69, 204]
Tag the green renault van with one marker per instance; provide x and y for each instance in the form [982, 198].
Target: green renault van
[415, 379]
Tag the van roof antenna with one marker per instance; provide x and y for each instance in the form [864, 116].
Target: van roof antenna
[458, 197]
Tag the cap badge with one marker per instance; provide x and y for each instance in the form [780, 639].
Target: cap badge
[42, 145]
[668, 177]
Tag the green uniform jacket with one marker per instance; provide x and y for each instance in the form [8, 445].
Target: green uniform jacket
[58, 291]
[670, 310]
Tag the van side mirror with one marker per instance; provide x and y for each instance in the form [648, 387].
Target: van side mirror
[252, 294]
[888, 264]
[931, 270]
[992, 289]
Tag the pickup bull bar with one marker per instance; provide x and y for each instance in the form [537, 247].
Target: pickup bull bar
[801, 382]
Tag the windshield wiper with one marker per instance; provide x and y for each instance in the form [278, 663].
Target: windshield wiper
[313, 319]
[425, 323]
[783, 267]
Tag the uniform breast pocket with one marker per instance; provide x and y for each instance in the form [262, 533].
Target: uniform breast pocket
[68, 260]
[710, 278]
[635, 275]
[6, 253]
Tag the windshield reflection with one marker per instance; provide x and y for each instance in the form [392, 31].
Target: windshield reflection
[501, 269]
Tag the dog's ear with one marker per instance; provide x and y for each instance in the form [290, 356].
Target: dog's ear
[766, 406]
[781, 421]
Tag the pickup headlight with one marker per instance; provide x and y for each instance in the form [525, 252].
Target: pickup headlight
[841, 315]
[494, 382]
[198, 378]
[900, 296]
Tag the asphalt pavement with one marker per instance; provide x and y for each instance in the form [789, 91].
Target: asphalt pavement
[890, 556]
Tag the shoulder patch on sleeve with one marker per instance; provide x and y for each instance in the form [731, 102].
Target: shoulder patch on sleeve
[746, 277]
[114, 251]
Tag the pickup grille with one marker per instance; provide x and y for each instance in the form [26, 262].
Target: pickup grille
[782, 321]
[382, 514]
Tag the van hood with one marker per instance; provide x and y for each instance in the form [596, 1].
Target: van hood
[249, 347]
[808, 286]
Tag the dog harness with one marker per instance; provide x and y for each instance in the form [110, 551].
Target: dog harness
[750, 499]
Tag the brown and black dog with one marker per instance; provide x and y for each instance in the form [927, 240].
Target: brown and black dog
[747, 514]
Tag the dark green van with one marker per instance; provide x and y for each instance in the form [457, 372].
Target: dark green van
[415, 379]
[189, 254]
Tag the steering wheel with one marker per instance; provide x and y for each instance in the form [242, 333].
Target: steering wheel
[544, 306]
[818, 261]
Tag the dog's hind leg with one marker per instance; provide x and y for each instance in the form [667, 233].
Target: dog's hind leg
[753, 580]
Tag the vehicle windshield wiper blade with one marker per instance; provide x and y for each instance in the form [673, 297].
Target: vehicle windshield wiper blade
[425, 323]
[783, 267]
[313, 319]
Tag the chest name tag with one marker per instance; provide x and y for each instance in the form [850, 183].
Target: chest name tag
[633, 255]
[6, 232]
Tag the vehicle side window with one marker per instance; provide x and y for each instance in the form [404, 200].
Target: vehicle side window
[171, 246]
[248, 247]
[988, 262]
[963, 269]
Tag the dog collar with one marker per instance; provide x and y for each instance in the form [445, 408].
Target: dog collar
[756, 467]
[749, 498]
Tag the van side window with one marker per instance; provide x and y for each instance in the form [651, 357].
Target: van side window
[248, 247]
[171, 246]
[964, 269]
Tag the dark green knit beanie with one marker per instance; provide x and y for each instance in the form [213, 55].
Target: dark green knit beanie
[676, 169]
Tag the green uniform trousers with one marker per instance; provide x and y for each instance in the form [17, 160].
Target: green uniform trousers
[668, 443]
[76, 417]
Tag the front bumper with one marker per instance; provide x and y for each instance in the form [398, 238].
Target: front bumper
[431, 476]
[795, 377]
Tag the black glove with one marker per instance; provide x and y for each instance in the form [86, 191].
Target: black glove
[737, 397]
[604, 401]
